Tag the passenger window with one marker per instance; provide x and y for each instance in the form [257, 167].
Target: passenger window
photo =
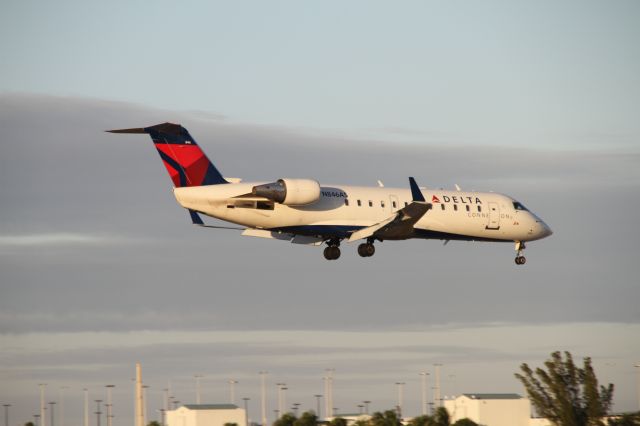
[346, 201]
[393, 203]
[359, 203]
[468, 207]
[479, 209]
[455, 207]
[442, 206]
[382, 204]
[370, 203]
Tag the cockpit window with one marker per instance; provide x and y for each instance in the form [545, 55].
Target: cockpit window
[518, 206]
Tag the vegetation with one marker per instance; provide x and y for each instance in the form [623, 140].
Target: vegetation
[308, 418]
[465, 422]
[421, 421]
[441, 417]
[628, 419]
[287, 419]
[388, 418]
[226, 424]
[338, 421]
[566, 394]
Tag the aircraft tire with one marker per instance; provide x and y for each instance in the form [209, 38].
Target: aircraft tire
[331, 253]
[370, 249]
[362, 250]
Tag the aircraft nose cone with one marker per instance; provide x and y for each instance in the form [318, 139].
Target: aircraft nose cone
[545, 231]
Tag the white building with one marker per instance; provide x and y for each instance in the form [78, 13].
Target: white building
[206, 415]
[490, 409]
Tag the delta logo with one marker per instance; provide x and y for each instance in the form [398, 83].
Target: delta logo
[456, 199]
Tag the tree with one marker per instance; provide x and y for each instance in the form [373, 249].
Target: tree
[628, 419]
[308, 418]
[29, 424]
[338, 421]
[156, 423]
[226, 424]
[362, 422]
[441, 417]
[287, 419]
[566, 394]
[465, 422]
[421, 421]
[388, 418]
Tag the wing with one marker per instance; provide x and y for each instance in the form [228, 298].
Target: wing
[400, 225]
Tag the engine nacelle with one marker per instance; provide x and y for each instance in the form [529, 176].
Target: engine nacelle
[291, 192]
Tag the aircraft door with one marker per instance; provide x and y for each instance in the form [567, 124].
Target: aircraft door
[494, 216]
[394, 203]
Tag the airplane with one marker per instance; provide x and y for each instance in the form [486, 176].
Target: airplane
[303, 211]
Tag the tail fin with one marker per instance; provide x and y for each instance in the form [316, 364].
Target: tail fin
[186, 163]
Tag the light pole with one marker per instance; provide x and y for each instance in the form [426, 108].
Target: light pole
[366, 406]
[263, 396]
[232, 390]
[98, 412]
[86, 406]
[284, 400]
[109, 404]
[360, 409]
[318, 396]
[61, 411]
[638, 385]
[436, 396]
[423, 377]
[400, 397]
[329, 391]
[246, 410]
[296, 405]
[36, 418]
[197, 377]
[43, 420]
[280, 404]
[6, 414]
[51, 413]
[144, 404]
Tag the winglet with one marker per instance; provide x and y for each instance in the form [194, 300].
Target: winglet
[416, 194]
[197, 220]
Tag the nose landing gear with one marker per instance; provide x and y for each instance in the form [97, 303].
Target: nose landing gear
[520, 260]
[332, 251]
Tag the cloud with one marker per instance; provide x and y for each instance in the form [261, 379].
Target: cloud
[121, 255]
[54, 239]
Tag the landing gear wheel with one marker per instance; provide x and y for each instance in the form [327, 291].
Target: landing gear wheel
[370, 249]
[520, 260]
[332, 252]
[366, 249]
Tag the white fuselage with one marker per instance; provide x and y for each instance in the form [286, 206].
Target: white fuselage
[454, 215]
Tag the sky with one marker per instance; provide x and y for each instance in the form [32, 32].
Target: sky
[100, 268]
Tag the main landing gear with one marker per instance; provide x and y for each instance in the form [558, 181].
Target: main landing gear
[520, 260]
[332, 251]
[366, 249]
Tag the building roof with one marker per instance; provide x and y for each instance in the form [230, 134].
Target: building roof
[492, 395]
[210, 406]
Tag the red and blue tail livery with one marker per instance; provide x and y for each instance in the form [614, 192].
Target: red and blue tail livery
[186, 163]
